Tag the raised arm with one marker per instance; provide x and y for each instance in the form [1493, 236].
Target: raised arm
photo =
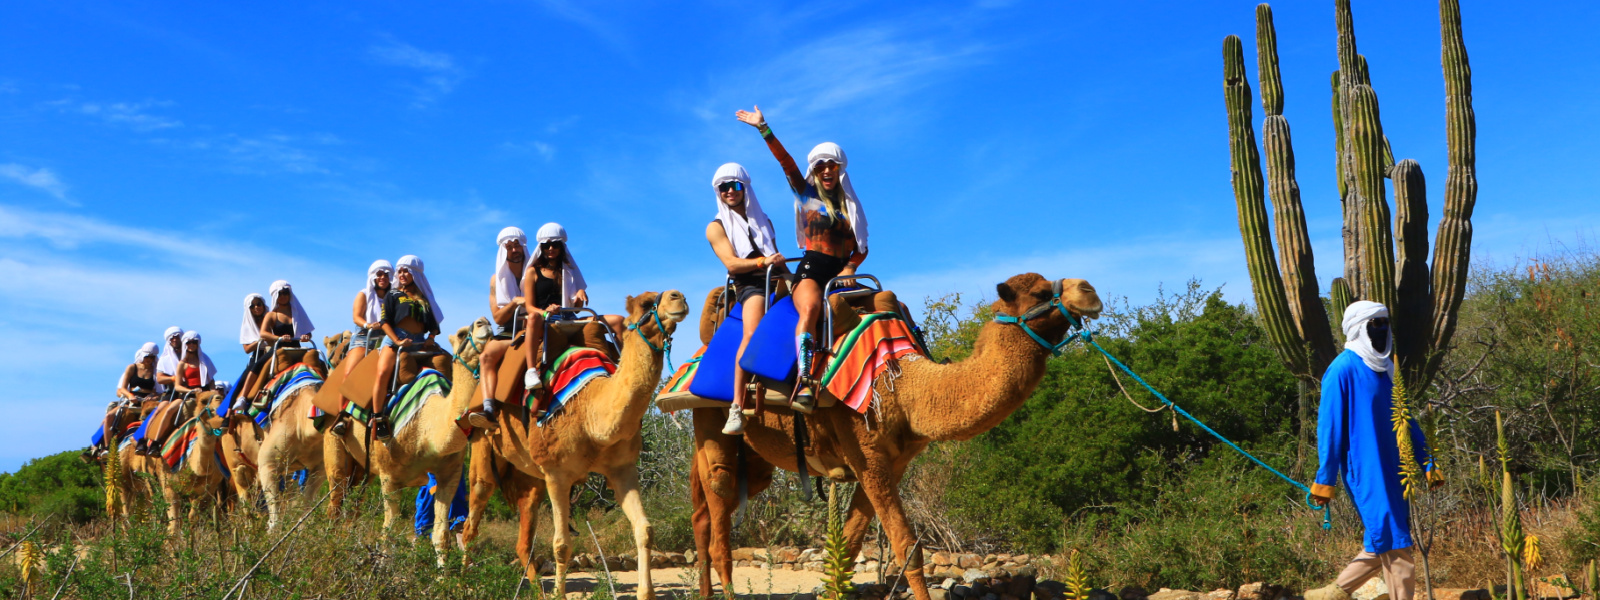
[796, 177]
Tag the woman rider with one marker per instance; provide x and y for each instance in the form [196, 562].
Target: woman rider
[195, 374]
[832, 227]
[409, 317]
[255, 311]
[744, 240]
[366, 311]
[506, 308]
[137, 385]
[552, 281]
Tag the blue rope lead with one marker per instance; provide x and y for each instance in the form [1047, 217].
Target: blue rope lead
[1327, 517]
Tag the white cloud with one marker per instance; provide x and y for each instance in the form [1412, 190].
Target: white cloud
[605, 29]
[134, 115]
[441, 74]
[543, 150]
[41, 178]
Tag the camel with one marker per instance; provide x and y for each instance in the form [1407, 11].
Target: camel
[928, 401]
[432, 443]
[198, 477]
[292, 443]
[597, 432]
[522, 491]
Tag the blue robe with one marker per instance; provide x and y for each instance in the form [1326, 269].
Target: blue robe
[458, 506]
[1355, 439]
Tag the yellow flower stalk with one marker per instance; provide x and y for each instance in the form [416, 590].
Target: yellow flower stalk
[1411, 474]
[1077, 582]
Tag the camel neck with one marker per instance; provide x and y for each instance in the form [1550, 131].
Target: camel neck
[625, 395]
[961, 400]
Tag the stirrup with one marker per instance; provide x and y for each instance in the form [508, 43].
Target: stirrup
[803, 402]
[341, 425]
[381, 428]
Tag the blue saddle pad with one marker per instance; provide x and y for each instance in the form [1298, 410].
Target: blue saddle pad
[714, 379]
[770, 354]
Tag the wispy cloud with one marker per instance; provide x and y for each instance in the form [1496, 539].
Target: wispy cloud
[605, 29]
[133, 115]
[42, 179]
[268, 153]
[441, 74]
[543, 150]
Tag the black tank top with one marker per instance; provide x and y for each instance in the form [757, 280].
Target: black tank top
[281, 329]
[141, 385]
[545, 291]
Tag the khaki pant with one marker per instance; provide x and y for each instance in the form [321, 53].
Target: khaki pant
[1398, 571]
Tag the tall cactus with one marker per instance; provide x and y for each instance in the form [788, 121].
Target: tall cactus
[1385, 253]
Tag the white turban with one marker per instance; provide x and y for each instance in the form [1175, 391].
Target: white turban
[412, 263]
[1355, 334]
[571, 278]
[167, 363]
[754, 225]
[506, 288]
[302, 322]
[207, 370]
[249, 331]
[853, 211]
[375, 301]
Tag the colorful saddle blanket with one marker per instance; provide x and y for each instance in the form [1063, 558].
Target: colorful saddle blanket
[180, 444]
[685, 375]
[860, 357]
[287, 382]
[407, 402]
[568, 375]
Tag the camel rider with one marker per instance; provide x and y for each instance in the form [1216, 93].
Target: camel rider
[743, 239]
[138, 384]
[551, 281]
[366, 312]
[255, 311]
[832, 228]
[167, 363]
[1356, 441]
[287, 325]
[195, 374]
[410, 318]
[507, 310]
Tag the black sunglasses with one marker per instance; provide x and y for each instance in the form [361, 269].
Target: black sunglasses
[550, 244]
[736, 186]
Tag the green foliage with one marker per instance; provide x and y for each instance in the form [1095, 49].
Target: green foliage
[60, 484]
[949, 334]
[1076, 443]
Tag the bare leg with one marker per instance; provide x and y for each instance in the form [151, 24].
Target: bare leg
[489, 366]
[808, 302]
[752, 318]
[624, 480]
[618, 325]
[380, 384]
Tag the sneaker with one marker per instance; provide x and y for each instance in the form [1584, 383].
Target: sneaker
[486, 419]
[381, 428]
[735, 425]
[531, 381]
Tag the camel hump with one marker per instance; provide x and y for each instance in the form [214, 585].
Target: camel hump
[848, 308]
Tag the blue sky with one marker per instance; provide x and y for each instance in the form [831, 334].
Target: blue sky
[158, 161]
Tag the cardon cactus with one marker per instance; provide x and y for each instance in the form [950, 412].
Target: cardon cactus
[1385, 251]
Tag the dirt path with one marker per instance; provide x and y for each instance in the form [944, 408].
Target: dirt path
[753, 583]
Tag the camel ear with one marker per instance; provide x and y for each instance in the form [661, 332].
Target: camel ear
[1005, 292]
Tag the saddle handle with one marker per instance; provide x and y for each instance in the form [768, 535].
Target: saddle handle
[838, 283]
[766, 298]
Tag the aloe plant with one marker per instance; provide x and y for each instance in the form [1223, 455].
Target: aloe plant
[1512, 539]
[1385, 253]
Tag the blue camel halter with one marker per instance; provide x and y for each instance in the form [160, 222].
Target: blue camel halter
[666, 339]
[1039, 311]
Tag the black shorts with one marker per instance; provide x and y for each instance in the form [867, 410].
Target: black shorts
[819, 267]
[744, 293]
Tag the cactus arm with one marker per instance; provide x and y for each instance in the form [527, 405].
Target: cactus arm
[1253, 227]
[1299, 274]
[1339, 297]
[1377, 244]
[1347, 202]
[1414, 299]
[1452, 247]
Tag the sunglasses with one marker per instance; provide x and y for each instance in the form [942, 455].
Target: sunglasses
[550, 244]
[731, 186]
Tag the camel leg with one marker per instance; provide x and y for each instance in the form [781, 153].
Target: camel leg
[624, 480]
[880, 485]
[700, 521]
[480, 488]
[391, 501]
[336, 466]
[561, 544]
[267, 478]
[525, 492]
[447, 480]
[170, 493]
[859, 521]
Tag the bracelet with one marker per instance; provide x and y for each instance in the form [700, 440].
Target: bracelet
[766, 132]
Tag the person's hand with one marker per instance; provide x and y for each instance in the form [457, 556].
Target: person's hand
[1319, 500]
[847, 271]
[581, 298]
[550, 309]
[754, 119]
[403, 342]
[774, 259]
[305, 337]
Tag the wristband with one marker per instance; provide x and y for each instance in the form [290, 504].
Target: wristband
[766, 132]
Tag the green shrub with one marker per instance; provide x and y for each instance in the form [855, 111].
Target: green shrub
[60, 484]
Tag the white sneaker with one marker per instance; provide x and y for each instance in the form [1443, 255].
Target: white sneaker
[735, 425]
[531, 381]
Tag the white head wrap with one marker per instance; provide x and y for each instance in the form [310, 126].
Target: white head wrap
[754, 225]
[853, 211]
[374, 300]
[1355, 335]
[506, 288]
[302, 323]
[207, 370]
[249, 331]
[167, 363]
[571, 278]
[412, 263]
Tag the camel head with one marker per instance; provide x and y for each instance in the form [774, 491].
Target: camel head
[336, 347]
[468, 342]
[1026, 294]
[670, 307]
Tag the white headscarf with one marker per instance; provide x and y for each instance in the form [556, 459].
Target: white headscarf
[167, 363]
[571, 278]
[1355, 335]
[853, 211]
[375, 301]
[206, 368]
[148, 349]
[302, 323]
[411, 263]
[249, 331]
[753, 225]
[506, 288]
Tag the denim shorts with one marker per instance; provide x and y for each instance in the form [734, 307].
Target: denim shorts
[416, 338]
[369, 339]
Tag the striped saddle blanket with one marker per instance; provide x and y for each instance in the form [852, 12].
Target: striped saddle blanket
[287, 382]
[408, 401]
[860, 357]
[570, 373]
